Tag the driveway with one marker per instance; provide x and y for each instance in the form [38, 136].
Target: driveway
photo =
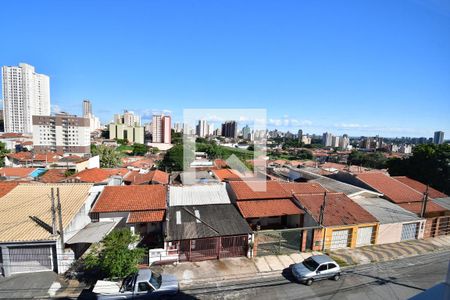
[29, 285]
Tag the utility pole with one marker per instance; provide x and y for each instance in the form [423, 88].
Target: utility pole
[61, 229]
[53, 212]
[322, 208]
[424, 203]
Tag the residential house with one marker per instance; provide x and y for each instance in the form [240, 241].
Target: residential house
[406, 197]
[97, 175]
[22, 174]
[146, 177]
[265, 204]
[396, 224]
[142, 208]
[203, 224]
[345, 223]
[32, 239]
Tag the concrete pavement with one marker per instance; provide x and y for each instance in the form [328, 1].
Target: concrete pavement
[198, 274]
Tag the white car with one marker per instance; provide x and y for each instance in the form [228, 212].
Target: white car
[316, 267]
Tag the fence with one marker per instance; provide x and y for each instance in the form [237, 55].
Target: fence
[283, 241]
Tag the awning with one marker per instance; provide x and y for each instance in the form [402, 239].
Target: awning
[146, 216]
[268, 208]
[93, 232]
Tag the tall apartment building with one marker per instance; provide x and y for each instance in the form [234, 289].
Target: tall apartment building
[87, 113]
[202, 128]
[229, 129]
[161, 129]
[438, 137]
[133, 134]
[327, 139]
[25, 94]
[344, 142]
[128, 118]
[247, 133]
[62, 133]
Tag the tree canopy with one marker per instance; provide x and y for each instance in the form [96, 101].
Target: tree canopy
[139, 149]
[173, 159]
[109, 157]
[3, 152]
[375, 160]
[429, 164]
[113, 258]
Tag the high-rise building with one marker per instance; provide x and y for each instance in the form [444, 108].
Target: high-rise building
[87, 113]
[161, 129]
[327, 139]
[300, 135]
[335, 140]
[62, 133]
[127, 118]
[344, 142]
[25, 94]
[133, 134]
[87, 108]
[229, 129]
[202, 128]
[246, 133]
[438, 137]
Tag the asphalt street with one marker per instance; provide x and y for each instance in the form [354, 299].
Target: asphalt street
[399, 279]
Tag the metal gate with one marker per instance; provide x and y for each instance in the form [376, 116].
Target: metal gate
[444, 226]
[30, 259]
[233, 246]
[364, 237]
[274, 242]
[409, 231]
[340, 239]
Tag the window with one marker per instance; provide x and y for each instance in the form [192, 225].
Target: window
[144, 287]
[322, 267]
[331, 266]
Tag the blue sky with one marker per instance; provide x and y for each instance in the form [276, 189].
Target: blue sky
[357, 67]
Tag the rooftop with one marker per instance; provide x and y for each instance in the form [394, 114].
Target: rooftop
[97, 175]
[385, 211]
[53, 176]
[128, 198]
[339, 209]
[226, 174]
[146, 177]
[303, 187]
[268, 208]
[393, 189]
[420, 187]
[198, 194]
[193, 222]
[17, 172]
[27, 200]
[416, 207]
[245, 190]
[6, 187]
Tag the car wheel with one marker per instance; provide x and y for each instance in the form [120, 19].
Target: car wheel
[336, 277]
[309, 282]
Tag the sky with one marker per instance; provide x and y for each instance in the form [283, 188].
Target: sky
[356, 67]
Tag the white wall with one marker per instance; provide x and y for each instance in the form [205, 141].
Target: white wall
[392, 233]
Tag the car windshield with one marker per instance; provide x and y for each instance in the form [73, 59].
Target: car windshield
[310, 263]
[155, 280]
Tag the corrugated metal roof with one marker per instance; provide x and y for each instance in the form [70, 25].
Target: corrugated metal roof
[385, 211]
[198, 195]
[216, 220]
[444, 202]
[93, 232]
[35, 200]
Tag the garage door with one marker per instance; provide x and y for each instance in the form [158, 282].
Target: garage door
[340, 239]
[30, 259]
[409, 231]
[364, 236]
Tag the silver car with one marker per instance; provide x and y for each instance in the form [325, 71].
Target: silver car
[316, 267]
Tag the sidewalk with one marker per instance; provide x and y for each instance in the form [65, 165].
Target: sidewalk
[197, 274]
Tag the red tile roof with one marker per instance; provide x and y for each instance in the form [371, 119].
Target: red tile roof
[137, 178]
[97, 175]
[6, 187]
[53, 176]
[28, 157]
[131, 198]
[339, 209]
[268, 208]
[416, 207]
[420, 187]
[393, 189]
[16, 172]
[226, 174]
[244, 191]
[220, 163]
[303, 187]
[146, 216]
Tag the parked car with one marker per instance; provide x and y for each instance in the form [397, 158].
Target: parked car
[144, 284]
[316, 267]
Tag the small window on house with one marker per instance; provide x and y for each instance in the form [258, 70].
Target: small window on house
[94, 217]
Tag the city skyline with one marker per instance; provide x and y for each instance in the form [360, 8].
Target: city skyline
[392, 80]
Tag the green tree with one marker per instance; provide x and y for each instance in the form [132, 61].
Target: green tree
[122, 141]
[112, 257]
[173, 159]
[139, 149]
[3, 153]
[429, 164]
[109, 157]
[374, 160]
